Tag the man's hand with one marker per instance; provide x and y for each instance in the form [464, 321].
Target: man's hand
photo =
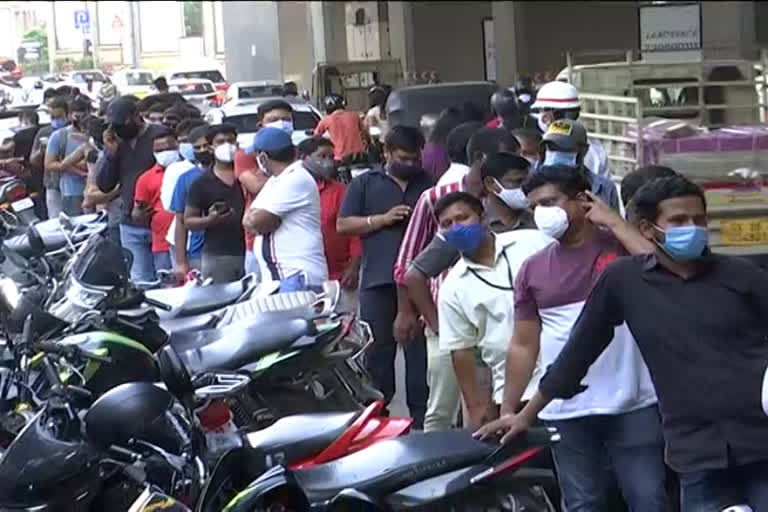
[406, 327]
[396, 214]
[111, 141]
[508, 426]
[349, 279]
[180, 271]
[143, 212]
[599, 213]
[218, 215]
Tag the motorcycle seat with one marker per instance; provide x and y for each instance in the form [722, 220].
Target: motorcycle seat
[301, 436]
[392, 464]
[194, 300]
[189, 323]
[234, 346]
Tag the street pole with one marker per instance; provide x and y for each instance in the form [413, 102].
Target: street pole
[96, 38]
[132, 34]
[52, 38]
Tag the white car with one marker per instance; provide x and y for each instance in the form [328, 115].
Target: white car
[243, 114]
[137, 82]
[251, 90]
[199, 93]
[81, 79]
[201, 72]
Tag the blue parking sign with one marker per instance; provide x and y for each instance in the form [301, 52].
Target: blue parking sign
[82, 19]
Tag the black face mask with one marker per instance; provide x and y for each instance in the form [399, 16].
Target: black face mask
[204, 157]
[404, 171]
[127, 131]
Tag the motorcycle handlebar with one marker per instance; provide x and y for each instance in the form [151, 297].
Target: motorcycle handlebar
[53, 348]
[157, 304]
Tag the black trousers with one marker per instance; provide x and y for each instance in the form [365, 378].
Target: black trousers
[378, 307]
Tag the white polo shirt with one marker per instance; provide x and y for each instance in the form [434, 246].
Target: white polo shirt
[297, 244]
[472, 313]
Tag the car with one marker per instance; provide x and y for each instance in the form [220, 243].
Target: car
[197, 92]
[137, 82]
[9, 71]
[89, 81]
[243, 115]
[201, 72]
[250, 90]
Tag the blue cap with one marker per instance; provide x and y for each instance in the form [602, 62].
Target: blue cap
[270, 139]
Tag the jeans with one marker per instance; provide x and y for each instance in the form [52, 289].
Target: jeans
[444, 394]
[113, 233]
[72, 205]
[162, 260]
[378, 307]
[223, 268]
[138, 240]
[631, 444]
[53, 203]
[717, 489]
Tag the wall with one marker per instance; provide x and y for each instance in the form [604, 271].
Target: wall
[252, 41]
[448, 38]
[293, 41]
[727, 29]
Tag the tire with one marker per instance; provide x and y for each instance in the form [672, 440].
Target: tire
[512, 499]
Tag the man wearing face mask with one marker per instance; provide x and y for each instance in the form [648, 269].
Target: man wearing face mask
[187, 245]
[476, 298]
[62, 157]
[558, 101]
[285, 216]
[530, 142]
[616, 418]
[376, 207]
[699, 321]
[344, 128]
[420, 299]
[94, 198]
[565, 143]
[128, 153]
[155, 114]
[215, 204]
[59, 112]
[341, 253]
[148, 207]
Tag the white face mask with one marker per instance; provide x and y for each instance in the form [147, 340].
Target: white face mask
[225, 152]
[551, 220]
[168, 157]
[282, 124]
[512, 197]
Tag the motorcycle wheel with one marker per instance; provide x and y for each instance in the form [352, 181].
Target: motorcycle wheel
[528, 499]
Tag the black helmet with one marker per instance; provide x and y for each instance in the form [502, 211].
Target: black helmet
[504, 103]
[333, 102]
[378, 94]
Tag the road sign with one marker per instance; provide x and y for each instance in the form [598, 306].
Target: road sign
[82, 19]
[117, 23]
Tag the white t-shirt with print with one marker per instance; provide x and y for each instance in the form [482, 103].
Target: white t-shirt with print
[297, 244]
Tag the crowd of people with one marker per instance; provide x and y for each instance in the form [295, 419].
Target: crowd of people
[492, 251]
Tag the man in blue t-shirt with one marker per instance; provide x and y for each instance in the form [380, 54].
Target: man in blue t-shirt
[184, 260]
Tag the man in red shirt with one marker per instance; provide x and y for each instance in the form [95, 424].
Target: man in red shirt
[341, 253]
[345, 130]
[148, 207]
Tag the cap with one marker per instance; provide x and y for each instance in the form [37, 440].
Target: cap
[557, 95]
[566, 134]
[121, 110]
[270, 139]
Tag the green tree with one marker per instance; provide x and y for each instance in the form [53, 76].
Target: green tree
[193, 19]
[37, 35]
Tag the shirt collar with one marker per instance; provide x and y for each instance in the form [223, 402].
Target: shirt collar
[704, 265]
[499, 249]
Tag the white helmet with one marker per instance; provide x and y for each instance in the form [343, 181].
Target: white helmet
[557, 95]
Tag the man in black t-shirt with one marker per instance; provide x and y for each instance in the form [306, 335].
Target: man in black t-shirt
[215, 204]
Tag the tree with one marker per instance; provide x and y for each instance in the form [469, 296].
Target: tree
[37, 35]
[193, 19]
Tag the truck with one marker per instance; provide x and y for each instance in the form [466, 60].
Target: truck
[704, 119]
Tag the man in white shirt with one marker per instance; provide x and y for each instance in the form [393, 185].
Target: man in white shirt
[285, 216]
[476, 300]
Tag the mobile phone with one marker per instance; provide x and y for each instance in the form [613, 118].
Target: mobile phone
[220, 207]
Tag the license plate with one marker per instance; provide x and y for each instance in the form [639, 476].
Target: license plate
[745, 231]
[22, 204]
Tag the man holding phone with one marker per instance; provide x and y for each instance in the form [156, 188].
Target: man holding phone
[128, 153]
[215, 204]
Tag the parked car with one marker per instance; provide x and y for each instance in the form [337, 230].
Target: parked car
[243, 114]
[89, 81]
[133, 81]
[199, 93]
[250, 90]
[9, 71]
[202, 72]
[407, 104]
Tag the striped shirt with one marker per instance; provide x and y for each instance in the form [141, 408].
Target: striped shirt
[422, 228]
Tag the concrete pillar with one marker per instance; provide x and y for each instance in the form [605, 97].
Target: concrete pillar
[401, 34]
[252, 41]
[728, 30]
[209, 30]
[506, 19]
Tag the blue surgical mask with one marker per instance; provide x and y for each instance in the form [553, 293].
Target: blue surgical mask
[684, 243]
[58, 123]
[565, 158]
[187, 151]
[465, 238]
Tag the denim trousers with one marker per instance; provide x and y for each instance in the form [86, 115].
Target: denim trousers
[162, 260]
[597, 450]
[378, 307]
[138, 240]
[715, 490]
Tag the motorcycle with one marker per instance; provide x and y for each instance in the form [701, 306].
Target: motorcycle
[17, 210]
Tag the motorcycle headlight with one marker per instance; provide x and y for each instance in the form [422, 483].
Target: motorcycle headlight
[83, 296]
[10, 291]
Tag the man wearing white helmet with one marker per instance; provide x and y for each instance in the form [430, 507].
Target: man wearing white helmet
[560, 100]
